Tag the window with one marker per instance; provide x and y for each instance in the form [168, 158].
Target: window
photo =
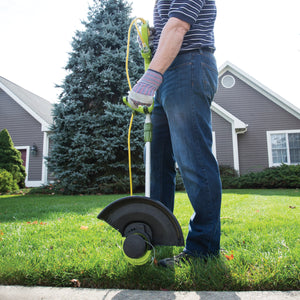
[228, 81]
[284, 147]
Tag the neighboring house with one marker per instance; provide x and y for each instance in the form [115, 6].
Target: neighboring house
[27, 117]
[253, 127]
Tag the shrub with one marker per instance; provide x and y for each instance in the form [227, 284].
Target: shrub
[227, 171]
[179, 182]
[229, 176]
[7, 182]
[10, 159]
[283, 176]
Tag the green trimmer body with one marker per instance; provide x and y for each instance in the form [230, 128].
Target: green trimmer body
[143, 223]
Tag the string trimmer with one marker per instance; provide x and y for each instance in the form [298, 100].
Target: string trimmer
[142, 222]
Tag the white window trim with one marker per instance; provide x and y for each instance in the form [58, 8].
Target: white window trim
[269, 142]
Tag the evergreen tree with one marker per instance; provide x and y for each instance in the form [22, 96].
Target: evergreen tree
[97, 62]
[87, 146]
[10, 159]
[113, 150]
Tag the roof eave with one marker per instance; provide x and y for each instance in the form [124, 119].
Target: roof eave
[239, 126]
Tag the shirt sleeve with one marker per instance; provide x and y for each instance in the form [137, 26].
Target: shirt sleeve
[186, 10]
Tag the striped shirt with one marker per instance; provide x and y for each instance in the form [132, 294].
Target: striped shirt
[200, 14]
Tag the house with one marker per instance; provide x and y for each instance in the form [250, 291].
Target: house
[27, 117]
[253, 127]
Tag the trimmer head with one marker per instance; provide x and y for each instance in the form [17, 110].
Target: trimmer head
[144, 223]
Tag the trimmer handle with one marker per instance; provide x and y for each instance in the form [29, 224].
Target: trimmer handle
[146, 51]
[141, 109]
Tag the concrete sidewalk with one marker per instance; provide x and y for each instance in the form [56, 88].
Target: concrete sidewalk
[49, 293]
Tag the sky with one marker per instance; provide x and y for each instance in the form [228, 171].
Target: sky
[260, 37]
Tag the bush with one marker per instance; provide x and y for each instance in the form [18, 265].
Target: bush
[7, 182]
[227, 171]
[10, 159]
[228, 176]
[283, 176]
[179, 182]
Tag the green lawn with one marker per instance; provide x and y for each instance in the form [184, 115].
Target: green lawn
[53, 239]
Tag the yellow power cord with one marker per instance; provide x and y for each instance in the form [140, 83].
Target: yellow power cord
[134, 22]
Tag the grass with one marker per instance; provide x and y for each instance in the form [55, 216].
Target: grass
[52, 239]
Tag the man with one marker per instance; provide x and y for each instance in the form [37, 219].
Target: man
[183, 77]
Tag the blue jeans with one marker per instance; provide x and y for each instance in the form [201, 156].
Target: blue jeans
[182, 132]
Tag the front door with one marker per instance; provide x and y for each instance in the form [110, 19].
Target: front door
[23, 156]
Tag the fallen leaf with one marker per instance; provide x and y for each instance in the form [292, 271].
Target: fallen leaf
[75, 282]
[84, 227]
[229, 257]
[292, 207]
[1, 233]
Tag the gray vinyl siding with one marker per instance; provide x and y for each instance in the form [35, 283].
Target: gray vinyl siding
[223, 140]
[24, 131]
[261, 114]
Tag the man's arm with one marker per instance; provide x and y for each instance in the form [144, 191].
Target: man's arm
[169, 44]
[168, 47]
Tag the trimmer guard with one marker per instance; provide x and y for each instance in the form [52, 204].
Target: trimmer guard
[165, 228]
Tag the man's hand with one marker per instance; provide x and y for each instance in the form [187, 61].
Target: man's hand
[144, 91]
